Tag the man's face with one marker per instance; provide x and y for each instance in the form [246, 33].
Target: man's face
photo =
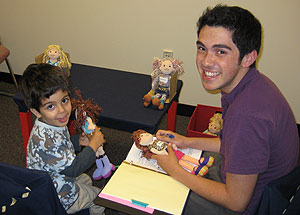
[56, 110]
[218, 59]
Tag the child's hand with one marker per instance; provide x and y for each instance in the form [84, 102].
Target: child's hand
[97, 139]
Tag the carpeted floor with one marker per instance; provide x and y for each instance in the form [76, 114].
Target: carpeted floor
[12, 151]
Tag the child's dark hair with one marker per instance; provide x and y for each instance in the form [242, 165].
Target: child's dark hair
[41, 81]
[245, 28]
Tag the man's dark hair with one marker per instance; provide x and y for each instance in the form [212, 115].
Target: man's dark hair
[41, 81]
[245, 28]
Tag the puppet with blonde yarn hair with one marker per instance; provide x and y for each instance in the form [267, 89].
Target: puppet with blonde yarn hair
[149, 145]
[163, 69]
[86, 113]
[55, 56]
[215, 125]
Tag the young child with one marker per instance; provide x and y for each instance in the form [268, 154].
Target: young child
[47, 94]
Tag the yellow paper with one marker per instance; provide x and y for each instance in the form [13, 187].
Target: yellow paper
[158, 190]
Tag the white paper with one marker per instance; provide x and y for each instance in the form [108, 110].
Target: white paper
[135, 157]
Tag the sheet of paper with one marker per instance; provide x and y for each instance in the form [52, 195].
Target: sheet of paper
[135, 157]
[158, 190]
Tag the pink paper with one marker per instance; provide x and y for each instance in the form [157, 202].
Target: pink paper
[126, 202]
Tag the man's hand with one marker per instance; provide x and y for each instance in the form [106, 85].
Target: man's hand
[169, 162]
[171, 137]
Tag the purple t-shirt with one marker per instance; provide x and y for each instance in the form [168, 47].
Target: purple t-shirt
[259, 133]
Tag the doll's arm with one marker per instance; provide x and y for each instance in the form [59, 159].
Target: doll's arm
[155, 82]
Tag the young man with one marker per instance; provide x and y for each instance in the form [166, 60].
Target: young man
[259, 141]
[47, 94]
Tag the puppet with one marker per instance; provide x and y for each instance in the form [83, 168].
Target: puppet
[55, 56]
[163, 69]
[86, 113]
[150, 145]
[215, 125]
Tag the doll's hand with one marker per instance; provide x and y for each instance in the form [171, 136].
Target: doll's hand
[97, 139]
[168, 162]
[171, 137]
[83, 140]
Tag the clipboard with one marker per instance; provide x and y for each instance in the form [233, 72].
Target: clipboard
[159, 192]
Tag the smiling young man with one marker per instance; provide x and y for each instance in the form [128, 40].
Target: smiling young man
[259, 141]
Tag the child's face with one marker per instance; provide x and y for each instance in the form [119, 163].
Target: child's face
[56, 110]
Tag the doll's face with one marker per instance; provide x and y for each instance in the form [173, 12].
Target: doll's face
[53, 54]
[166, 67]
[146, 139]
[213, 127]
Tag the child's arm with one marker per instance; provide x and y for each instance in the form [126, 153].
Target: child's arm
[84, 160]
[87, 157]
[75, 141]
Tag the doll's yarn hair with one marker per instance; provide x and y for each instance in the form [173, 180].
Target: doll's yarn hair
[136, 136]
[63, 59]
[81, 106]
[217, 118]
[157, 62]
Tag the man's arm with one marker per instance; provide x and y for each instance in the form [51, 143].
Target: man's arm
[234, 195]
[201, 143]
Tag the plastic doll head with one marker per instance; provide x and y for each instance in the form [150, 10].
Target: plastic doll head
[84, 108]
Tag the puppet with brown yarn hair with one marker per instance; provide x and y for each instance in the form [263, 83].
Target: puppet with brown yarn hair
[86, 114]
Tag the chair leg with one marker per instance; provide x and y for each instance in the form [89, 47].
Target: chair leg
[12, 74]
[14, 79]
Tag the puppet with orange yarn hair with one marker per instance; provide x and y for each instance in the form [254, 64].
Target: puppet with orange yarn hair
[86, 113]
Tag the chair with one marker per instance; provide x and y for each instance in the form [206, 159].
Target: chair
[4, 53]
[26, 191]
[282, 196]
